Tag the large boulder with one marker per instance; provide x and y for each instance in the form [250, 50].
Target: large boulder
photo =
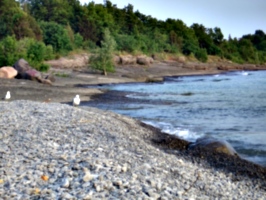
[213, 145]
[73, 62]
[25, 71]
[128, 60]
[117, 59]
[144, 60]
[181, 59]
[8, 72]
[21, 66]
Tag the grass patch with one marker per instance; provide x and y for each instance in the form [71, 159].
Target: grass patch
[63, 75]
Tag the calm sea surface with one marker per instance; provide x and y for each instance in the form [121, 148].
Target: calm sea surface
[229, 106]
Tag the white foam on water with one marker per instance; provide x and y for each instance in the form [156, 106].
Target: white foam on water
[182, 133]
[185, 134]
[244, 73]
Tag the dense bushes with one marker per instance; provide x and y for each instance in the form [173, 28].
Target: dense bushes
[35, 52]
[55, 35]
[58, 27]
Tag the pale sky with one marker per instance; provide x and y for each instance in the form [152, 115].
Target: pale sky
[235, 17]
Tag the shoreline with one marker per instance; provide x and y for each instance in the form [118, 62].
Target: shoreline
[65, 88]
[91, 153]
[169, 153]
[111, 96]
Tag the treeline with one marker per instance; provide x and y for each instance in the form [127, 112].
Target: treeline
[44, 29]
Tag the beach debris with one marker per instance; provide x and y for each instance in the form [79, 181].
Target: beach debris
[44, 177]
[76, 100]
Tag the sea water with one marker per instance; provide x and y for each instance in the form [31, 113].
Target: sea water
[230, 106]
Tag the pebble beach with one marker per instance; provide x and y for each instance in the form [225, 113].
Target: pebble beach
[57, 151]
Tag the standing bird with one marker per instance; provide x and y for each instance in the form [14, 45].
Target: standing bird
[76, 100]
[8, 96]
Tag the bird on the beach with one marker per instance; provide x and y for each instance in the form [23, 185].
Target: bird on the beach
[76, 100]
[8, 95]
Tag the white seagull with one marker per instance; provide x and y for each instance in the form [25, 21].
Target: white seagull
[8, 96]
[76, 100]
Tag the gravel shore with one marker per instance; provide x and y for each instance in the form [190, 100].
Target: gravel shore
[56, 151]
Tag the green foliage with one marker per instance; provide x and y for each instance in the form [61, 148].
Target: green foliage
[63, 75]
[126, 43]
[7, 48]
[189, 47]
[103, 60]
[78, 40]
[57, 36]
[262, 57]
[201, 55]
[216, 35]
[35, 52]
[66, 25]
[246, 50]
[58, 11]
[14, 21]
[205, 40]
[89, 45]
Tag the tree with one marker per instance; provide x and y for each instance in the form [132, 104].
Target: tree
[8, 46]
[56, 35]
[204, 39]
[14, 21]
[246, 50]
[103, 60]
[58, 11]
[216, 35]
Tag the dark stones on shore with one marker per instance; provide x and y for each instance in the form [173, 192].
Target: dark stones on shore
[133, 60]
[215, 153]
[213, 144]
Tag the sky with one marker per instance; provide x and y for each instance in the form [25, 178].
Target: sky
[234, 17]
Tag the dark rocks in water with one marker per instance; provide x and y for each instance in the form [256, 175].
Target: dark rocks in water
[214, 145]
[187, 94]
[229, 162]
[164, 140]
[154, 79]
